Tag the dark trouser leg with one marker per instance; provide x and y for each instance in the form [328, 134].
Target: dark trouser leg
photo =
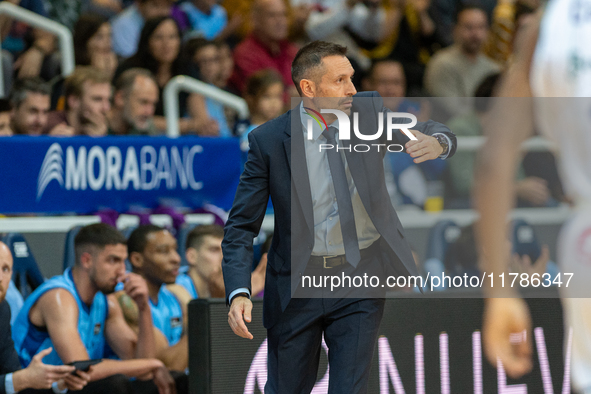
[149, 387]
[115, 384]
[350, 333]
[294, 348]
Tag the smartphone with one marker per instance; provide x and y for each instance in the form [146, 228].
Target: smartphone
[84, 365]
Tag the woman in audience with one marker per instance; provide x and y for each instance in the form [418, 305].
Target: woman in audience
[92, 43]
[159, 52]
[264, 95]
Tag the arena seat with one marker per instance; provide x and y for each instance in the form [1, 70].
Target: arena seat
[69, 252]
[441, 235]
[26, 274]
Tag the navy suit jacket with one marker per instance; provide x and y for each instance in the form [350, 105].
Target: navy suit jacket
[8, 357]
[276, 167]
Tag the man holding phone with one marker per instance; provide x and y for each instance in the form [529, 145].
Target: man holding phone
[37, 375]
[76, 316]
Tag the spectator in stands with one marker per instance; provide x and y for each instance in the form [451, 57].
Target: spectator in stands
[30, 102]
[351, 23]
[267, 46]
[409, 38]
[134, 103]
[5, 129]
[153, 255]
[30, 47]
[208, 19]
[226, 66]
[455, 72]
[87, 93]
[77, 315]
[204, 255]
[410, 180]
[37, 375]
[205, 55]
[128, 25]
[159, 52]
[92, 44]
[67, 12]
[531, 191]
[264, 96]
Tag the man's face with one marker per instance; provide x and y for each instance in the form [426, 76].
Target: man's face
[270, 103]
[155, 8]
[208, 60]
[207, 259]
[161, 261]
[471, 30]
[333, 87]
[107, 266]
[5, 130]
[5, 270]
[139, 107]
[270, 20]
[31, 116]
[94, 104]
[389, 81]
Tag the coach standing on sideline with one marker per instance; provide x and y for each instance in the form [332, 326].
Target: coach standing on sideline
[321, 221]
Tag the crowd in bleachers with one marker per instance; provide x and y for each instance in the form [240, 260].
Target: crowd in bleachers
[127, 51]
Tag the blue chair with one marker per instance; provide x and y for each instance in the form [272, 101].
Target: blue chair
[69, 250]
[26, 274]
[15, 301]
[182, 240]
[441, 236]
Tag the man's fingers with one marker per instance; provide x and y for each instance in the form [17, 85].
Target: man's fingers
[39, 356]
[237, 324]
[248, 312]
[61, 369]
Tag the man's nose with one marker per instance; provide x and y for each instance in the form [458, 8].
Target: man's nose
[351, 91]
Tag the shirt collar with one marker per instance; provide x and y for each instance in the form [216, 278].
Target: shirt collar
[317, 127]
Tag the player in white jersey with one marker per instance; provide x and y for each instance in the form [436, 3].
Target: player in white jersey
[552, 59]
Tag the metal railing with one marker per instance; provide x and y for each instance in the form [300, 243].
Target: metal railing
[186, 83]
[66, 43]
[534, 144]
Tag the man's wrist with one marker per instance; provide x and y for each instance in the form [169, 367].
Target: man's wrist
[241, 294]
[17, 381]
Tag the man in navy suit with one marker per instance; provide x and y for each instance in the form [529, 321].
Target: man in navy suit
[37, 375]
[333, 216]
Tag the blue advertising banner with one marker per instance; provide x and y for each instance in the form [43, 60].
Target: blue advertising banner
[84, 174]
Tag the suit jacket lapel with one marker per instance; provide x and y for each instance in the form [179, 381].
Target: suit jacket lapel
[294, 149]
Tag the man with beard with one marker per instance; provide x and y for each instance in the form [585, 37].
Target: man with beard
[153, 255]
[74, 314]
[455, 72]
[29, 102]
[134, 103]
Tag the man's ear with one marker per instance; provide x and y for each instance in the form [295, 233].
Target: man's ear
[86, 260]
[308, 88]
[119, 99]
[136, 260]
[191, 256]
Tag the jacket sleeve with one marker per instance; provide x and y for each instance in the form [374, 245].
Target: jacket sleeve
[245, 220]
[8, 357]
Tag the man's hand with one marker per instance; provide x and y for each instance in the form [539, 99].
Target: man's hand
[523, 264]
[62, 130]
[533, 189]
[505, 319]
[240, 306]
[75, 382]
[164, 381]
[38, 375]
[95, 124]
[137, 289]
[424, 148]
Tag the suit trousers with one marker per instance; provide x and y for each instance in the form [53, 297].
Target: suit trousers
[349, 327]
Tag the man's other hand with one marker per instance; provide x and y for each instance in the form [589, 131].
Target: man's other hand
[424, 148]
[38, 375]
[241, 306]
[507, 334]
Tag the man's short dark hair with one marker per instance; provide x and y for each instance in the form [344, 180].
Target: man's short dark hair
[126, 80]
[138, 240]
[195, 237]
[469, 7]
[96, 236]
[22, 87]
[310, 57]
